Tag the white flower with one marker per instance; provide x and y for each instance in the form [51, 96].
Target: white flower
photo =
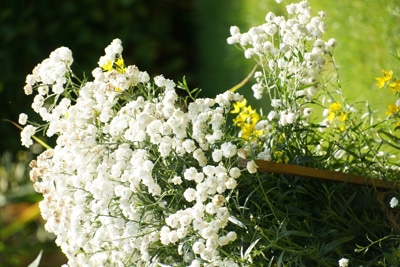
[211, 208]
[198, 247]
[275, 103]
[200, 157]
[189, 145]
[343, 262]
[160, 81]
[231, 184]
[272, 115]
[22, 119]
[235, 172]
[217, 155]
[228, 149]
[251, 166]
[176, 180]
[190, 194]
[265, 155]
[112, 51]
[26, 135]
[234, 30]
[394, 202]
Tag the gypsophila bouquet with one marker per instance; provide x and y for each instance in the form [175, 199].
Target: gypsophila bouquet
[131, 172]
[143, 176]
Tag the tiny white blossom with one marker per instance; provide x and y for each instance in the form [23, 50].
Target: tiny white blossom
[190, 194]
[26, 135]
[251, 166]
[22, 119]
[343, 262]
[394, 202]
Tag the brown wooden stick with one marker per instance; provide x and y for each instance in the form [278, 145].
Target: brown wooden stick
[288, 169]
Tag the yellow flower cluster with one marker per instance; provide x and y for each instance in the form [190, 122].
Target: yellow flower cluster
[387, 79]
[394, 85]
[246, 120]
[334, 111]
[387, 76]
[117, 65]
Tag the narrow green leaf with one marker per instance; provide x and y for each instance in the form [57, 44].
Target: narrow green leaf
[36, 262]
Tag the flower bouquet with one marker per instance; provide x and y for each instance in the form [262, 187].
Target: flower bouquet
[146, 173]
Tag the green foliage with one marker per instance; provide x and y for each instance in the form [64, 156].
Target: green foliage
[294, 227]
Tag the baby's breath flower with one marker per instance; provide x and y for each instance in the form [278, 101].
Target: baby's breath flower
[251, 167]
[22, 119]
[394, 202]
[343, 262]
[26, 135]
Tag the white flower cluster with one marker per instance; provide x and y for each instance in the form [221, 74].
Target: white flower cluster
[291, 54]
[343, 262]
[132, 175]
[52, 75]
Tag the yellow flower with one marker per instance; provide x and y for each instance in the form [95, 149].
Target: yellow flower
[246, 119]
[280, 157]
[237, 107]
[395, 86]
[381, 81]
[108, 66]
[392, 109]
[335, 106]
[342, 117]
[240, 119]
[247, 131]
[331, 115]
[120, 66]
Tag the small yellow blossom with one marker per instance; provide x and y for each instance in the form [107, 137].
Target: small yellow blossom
[120, 65]
[117, 65]
[335, 106]
[108, 66]
[246, 119]
[280, 157]
[387, 76]
[395, 86]
[342, 117]
[392, 109]
[237, 107]
[331, 115]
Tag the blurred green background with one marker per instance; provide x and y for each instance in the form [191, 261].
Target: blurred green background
[172, 37]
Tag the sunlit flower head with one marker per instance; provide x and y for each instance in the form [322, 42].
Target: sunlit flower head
[387, 76]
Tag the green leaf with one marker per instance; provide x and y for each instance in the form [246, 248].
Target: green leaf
[332, 245]
[293, 233]
[250, 248]
[36, 262]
